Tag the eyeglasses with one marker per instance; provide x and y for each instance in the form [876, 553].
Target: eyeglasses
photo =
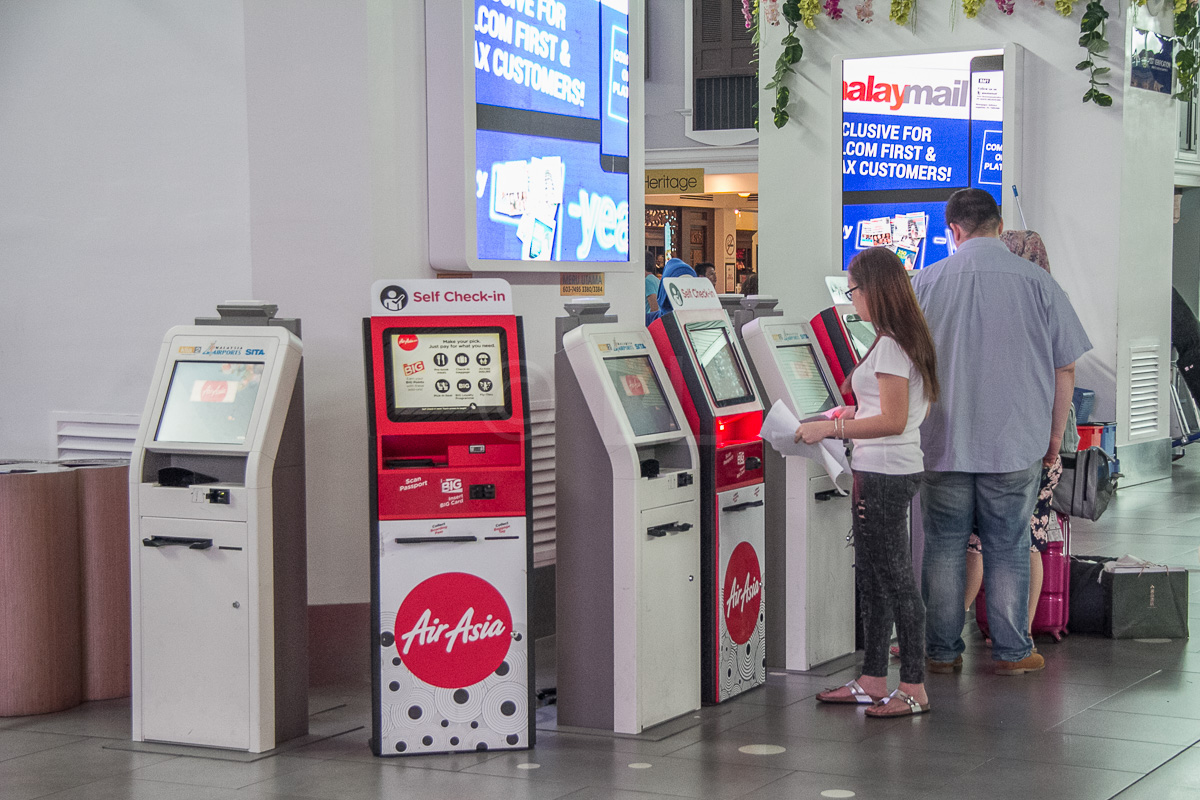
[850, 292]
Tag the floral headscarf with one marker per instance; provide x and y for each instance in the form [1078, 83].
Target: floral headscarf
[1028, 245]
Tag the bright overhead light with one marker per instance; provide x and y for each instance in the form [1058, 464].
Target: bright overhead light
[743, 194]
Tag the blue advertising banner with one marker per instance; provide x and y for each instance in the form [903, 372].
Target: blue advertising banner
[915, 129]
[1151, 62]
[543, 199]
[552, 140]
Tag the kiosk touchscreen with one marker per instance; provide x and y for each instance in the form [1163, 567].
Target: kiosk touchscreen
[451, 549]
[218, 560]
[628, 535]
[709, 373]
[810, 611]
[845, 338]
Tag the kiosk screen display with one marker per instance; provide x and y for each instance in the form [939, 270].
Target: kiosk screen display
[641, 395]
[721, 367]
[803, 376]
[209, 402]
[862, 334]
[446, 374]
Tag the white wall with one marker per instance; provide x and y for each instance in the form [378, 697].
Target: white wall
[1090, 183]
[125, 196]
[160, 158]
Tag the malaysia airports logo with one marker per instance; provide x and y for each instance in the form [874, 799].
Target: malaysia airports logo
[393, 298]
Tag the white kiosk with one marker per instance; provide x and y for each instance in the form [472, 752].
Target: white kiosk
[628, 546]
[217, 542]
[810, 616]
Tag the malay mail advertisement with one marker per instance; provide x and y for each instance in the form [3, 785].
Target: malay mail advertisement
[915, 129]
[552, 130]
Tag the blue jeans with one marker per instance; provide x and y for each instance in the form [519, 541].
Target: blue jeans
[1000, 504]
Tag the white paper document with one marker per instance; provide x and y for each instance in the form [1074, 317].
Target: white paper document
[779, 431]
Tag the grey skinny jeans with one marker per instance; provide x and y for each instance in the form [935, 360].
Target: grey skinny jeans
[883, 558]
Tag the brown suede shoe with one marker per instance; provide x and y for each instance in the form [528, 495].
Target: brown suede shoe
[944, 667]
[1031, 663]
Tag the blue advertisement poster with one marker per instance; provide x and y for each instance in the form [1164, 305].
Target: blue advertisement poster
[552, 130]
[915, 129]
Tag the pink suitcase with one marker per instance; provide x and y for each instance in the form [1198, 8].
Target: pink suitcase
[1054, 603]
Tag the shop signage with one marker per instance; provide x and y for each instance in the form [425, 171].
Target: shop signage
[674, 181]
[691, 293]
[581, 284]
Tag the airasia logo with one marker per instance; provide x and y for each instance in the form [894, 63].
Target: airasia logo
[214, 391]
[743, 593]
[453, 630]
[406, 341]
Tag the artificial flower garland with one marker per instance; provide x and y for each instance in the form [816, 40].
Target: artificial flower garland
[1092, 29]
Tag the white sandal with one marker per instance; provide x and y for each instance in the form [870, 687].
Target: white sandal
[886, 709]
[858, 695]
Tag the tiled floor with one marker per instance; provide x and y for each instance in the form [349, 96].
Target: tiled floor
[1105, 719]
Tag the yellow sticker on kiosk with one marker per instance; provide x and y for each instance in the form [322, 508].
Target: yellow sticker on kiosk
[580, 284]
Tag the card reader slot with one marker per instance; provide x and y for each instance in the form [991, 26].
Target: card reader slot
[670, 527]
[410, 463]
[743, 506]
[177, 541]
[436, 539]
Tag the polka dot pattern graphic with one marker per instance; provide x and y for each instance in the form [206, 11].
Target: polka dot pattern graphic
[743, 666]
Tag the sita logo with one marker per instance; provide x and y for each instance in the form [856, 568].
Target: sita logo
[743, 593]
[453, 630]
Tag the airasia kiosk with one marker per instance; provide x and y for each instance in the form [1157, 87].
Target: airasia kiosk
[628, 546]
[451, 549]
[810, 616]
[844, 337]
[709, 373]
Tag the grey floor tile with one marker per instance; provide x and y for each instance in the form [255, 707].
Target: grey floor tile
[65, 767]
[1092, 751]
[1178, 779]
[396, 779]
[814, 785]
[813, 720]
[218, 774]
[1026, 703]
[109, 719]
[1004, 779]
[918, 769]
[1167, 694]
[664, 775]
[20, 743]
[1132, 727]
[605, 793]
[125, 787]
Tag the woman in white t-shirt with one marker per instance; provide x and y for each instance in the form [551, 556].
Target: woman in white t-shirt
[894, 384]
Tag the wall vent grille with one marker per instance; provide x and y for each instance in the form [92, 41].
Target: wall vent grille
[545, 529]
[1144, 373]
[80, 434]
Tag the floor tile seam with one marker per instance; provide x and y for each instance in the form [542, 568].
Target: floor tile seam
[1151, 772]
[74, 740]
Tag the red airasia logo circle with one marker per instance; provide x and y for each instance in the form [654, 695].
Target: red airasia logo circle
[743, 593]
[406, 341]
[453, 630]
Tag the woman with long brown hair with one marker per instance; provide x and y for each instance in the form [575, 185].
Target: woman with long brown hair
[894, 384]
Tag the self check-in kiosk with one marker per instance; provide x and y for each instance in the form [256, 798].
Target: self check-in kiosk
[810, 610]
[628, 535]
[451, 549]
[845, 338]
[218, 565]
[709, 373]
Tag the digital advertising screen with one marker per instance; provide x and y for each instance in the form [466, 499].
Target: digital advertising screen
[641, 395]
[552, 89]
[446, 374]
[802, 373]
[209, 402]
[722, 368]
[916, 129]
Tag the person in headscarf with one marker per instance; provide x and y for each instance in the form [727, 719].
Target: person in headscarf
[1028, 245]
[675, 268]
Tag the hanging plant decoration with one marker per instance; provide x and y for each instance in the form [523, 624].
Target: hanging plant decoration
[1187, 43]
[1092, 29]
[971, 8]
[901, 11]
